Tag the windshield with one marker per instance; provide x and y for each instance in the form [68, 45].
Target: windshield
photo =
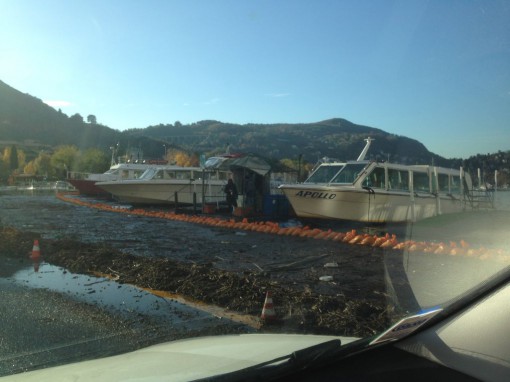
[149, 173]
[325, 173]
[349, 173]
[249, 240]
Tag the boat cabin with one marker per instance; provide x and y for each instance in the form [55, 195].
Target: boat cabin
[122, 172]
[378, 192]
[182, 173]
[391, 177]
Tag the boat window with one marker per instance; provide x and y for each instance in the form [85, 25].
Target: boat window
[443, 180]
[124, 174]
[398, 180]
[222, 175]
[455, 184]
[376, 178]
[183, 174]
[210, 175]
[324, 173]
[215, 175]
[349, 173]
[421, 181]
[148, 174]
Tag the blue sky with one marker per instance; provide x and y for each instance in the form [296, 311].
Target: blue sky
[436, 71]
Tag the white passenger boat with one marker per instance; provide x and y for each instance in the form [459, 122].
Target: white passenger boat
[169, 184]
[85, 183]
[378, 192]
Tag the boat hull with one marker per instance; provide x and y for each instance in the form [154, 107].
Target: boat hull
[379, 206]
[85, 183]
[87, 187]
[163, 192]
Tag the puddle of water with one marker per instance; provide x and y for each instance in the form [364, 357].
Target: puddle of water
[113, 296]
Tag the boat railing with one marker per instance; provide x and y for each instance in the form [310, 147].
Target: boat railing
[480, 198]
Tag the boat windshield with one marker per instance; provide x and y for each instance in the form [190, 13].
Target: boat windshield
[325, 173]
[149, 173]
[349, 173]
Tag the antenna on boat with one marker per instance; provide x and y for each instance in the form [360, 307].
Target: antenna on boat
[365, 149]
[114, 152]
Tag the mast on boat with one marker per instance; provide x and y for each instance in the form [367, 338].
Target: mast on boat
[365, 149]
[114, 152]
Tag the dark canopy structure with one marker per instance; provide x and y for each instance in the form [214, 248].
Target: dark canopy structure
[232, 163]
[250, 174]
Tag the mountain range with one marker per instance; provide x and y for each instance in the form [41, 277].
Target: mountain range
[28, 123]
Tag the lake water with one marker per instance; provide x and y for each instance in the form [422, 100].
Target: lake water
[503, 200]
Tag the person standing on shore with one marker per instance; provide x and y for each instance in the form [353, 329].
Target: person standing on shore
[231, 193]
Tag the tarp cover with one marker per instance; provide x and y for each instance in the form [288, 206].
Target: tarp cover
[249, 162]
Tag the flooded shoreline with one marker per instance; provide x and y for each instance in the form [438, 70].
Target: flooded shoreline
[217, 266]
[212, 279]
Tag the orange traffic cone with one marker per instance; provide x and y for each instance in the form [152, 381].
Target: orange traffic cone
[36, 252]
[268, 313]
[36, 255]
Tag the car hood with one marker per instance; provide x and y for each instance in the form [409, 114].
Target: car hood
[181, 360]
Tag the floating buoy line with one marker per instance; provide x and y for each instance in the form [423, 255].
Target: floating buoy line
[387, 241]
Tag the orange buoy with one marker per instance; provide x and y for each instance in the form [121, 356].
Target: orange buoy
[356, 239]
[390, 243]
[339, 236]
[310, 232]
[369, 240]
[349, 236]
[331, 235]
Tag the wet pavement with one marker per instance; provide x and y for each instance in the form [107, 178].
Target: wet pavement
[42, 327]
[116, 298]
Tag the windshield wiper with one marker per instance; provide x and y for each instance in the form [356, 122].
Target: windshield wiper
[279, 367]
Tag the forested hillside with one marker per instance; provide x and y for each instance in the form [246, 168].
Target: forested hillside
[26, 118]
[32, 126]
[335, 138]
[28, 121]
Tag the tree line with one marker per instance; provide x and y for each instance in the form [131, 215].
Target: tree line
[55, 164]
[51, 165]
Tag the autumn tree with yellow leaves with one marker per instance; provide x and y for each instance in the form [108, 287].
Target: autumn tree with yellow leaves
[181, 158]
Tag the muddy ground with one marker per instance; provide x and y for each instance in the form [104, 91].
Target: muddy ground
[229, 268]
[234, 270]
